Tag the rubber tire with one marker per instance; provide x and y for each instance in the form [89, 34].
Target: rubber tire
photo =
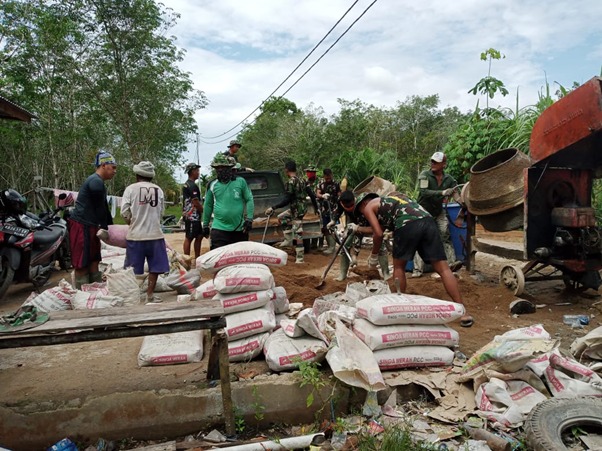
[547, 421]
[6, 276]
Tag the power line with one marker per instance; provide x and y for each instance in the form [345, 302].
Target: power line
[290, 74]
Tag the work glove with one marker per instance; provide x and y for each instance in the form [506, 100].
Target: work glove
[448, 192]
[249, 169]
[325, 196]
[269, 211]
[247, 226]
[352, 227]
[103, 234]
[206, 231]
[331, 224]
[373, 260]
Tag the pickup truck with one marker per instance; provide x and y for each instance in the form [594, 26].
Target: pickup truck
[268, 189]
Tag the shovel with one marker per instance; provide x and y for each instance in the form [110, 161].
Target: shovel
[267, 223]
[334, 257]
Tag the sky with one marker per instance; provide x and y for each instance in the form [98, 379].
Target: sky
[239, 51]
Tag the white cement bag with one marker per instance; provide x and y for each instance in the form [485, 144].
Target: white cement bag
[123, 283]
[386, 309]
[240, 302]
[279, 318]
[160, 287]
[87, 300]
[280, 300]
[507, 403]
[589, 346]
[184, 282]
[252, 322]
[205, 291]
[309, 323]
[283, 353]
[381, 337]
[239, 253]
[169, 349]
[246, 348]
[356, 291]
[413, 357]
[291, 328]
[95, 286]
[241, 278]
[343, 309]
[54, 299]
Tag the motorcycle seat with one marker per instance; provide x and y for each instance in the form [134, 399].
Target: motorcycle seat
[47, 236]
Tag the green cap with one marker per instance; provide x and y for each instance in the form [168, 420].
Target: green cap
[221, 160]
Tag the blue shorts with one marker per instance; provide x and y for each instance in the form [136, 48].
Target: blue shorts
[153, 251]
[422, 236]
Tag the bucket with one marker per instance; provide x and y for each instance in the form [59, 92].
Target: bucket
[376, 185]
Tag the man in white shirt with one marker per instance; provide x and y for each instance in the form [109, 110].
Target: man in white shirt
[142, 208]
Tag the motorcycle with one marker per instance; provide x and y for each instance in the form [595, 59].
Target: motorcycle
[30, 245]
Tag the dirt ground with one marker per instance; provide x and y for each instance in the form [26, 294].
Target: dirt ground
[76, 370]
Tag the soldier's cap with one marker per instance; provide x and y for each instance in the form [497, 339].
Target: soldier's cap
[221, 160]
[191, 167]
[438, 157]
[311, 168]
[234, 142]
[363, 197]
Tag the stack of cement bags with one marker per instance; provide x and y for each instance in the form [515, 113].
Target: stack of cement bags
[405, 330]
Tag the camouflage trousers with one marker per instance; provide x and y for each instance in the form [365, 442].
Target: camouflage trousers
[292, 225]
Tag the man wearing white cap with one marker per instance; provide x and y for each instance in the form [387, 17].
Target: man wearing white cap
[142, 208]
[434, 185]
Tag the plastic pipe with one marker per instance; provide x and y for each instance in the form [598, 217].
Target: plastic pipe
[302, 441]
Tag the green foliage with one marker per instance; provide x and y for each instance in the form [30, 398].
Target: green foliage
[393, 439]
[258, 406]
[310, 375]
[490, 85]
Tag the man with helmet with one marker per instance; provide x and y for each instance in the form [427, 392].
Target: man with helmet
[192, 209]
[230, 201]
[414, 230]
[90, 221]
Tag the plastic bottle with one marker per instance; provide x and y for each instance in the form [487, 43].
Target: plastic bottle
[576, 321]
[63, 445]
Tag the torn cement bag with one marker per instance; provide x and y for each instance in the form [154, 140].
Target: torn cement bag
[356, 291]
[413, 357]
[283, 353]
[204, 291]
[352, 361]
[84, 300]
[246, 348]
[343, 308]
[309, 323]
[184, 282]
[240, 253]
[381, 337]
[241, 278]
[240, 302]
[291, 328]
[506, 403]
[280, 300]
[123, 283]
[386, 309]
[169, 349]
[95, 286]
[53, 299]
[252, 322]
[589, 346]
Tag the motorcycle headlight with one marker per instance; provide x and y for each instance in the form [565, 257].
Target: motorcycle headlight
[28, 222]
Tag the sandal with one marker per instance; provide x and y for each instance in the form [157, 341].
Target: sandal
[468, 321]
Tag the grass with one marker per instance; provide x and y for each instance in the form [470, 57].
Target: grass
[393, 439]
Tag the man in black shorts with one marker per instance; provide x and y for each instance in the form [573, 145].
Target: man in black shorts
[192, 211]
[414, 230]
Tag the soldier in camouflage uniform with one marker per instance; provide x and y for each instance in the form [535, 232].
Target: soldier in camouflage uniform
[311, 182]
[414, 230]
[328, 192]
[292, 219]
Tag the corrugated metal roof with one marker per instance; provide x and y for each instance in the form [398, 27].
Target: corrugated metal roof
[10, 110]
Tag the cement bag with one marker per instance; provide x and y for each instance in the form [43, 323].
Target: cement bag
[343, 309]
[252, 322]
[309, 323]
[240, 302]
[381, 337]
[112, 256]
[291, 328]
[283, 353]
[160, 287]
[589, 346]
[95, 286]
[169, 349]
[204, 291]
[413, 357]
[123, 283]
[54, 299]
[87, 300]
[184, 282]
[356, 291]
[352, 361]
[280, 300]
[506, 403]
[386, 309]
[240, 253]
[246, 348]
[117, 234]
[241, 278]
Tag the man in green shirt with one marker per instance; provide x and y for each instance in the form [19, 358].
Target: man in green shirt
[230, 201]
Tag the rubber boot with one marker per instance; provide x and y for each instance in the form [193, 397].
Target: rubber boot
[96, 277]
[299, 252]
[79, 281]
[344, 268]
[288, 239]
[383, 261]
[331, 245]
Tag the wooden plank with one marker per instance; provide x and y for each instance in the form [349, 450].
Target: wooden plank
[510, 251]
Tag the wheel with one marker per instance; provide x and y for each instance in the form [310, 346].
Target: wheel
[547, 421]
[6, 276]
[64, 255]
[512, 278]
[573, 285]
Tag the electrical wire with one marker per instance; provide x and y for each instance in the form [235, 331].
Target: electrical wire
[290, 74]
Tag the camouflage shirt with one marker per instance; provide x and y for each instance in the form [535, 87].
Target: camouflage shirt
[398, 210]
[295, 188]
[333, 188]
